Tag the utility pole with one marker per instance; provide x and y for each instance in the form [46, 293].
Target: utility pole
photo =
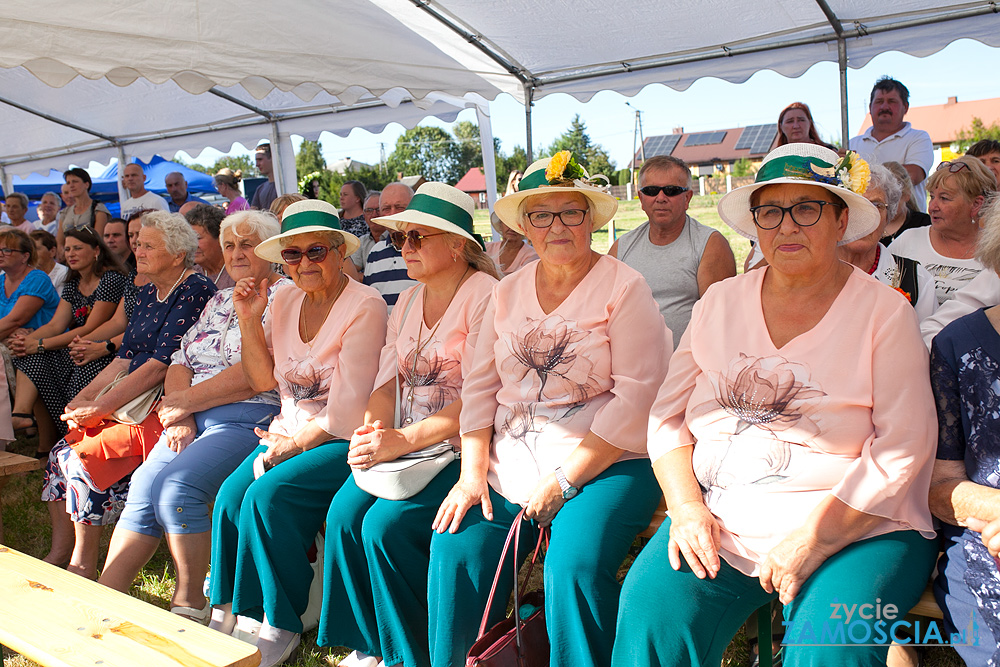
[636, 138]
[381, 154]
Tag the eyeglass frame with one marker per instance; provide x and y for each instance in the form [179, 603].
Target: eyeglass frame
[9, 251]
[954, 166]
[318, 259]
[559, 215]
[787, 210]
[413, 236]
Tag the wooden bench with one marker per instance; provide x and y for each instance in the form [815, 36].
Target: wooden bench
[12, 464]
[58, 619]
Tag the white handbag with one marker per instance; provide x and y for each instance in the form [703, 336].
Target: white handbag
[409, 474]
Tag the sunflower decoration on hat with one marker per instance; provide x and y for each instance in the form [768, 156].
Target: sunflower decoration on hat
[559, 173]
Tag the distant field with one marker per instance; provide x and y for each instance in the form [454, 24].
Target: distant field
[630, 216]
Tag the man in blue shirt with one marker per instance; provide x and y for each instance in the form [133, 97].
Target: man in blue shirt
[177, 188]
[385, 269]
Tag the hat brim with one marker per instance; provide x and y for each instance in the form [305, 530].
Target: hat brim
[734, 209]
[270, 250]
[412, 217]
[602, 205]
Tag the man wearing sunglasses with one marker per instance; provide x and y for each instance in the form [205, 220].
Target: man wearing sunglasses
[677, 255]
[385, 269]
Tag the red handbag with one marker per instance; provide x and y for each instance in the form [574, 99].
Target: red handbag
[514, 642]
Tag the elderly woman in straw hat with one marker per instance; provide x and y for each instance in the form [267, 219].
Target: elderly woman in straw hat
[553, 421]
[322, 357]
[377, 548]
[793, 439]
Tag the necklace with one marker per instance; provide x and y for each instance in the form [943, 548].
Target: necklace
[307, 338]
[179, 279]
[878, 255]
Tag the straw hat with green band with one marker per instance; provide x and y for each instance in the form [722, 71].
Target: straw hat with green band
[559, 173]
[847, 177]
[439, 206]
[305, 217]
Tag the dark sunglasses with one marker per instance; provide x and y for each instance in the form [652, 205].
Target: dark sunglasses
[399, 239]
[316, 254]
[953, 167]
[669, 190]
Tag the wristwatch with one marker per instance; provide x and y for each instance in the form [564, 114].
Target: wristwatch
[41, 346]
[568, 490]
[111, 347]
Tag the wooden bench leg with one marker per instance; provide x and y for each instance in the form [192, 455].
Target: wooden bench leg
[764, 637]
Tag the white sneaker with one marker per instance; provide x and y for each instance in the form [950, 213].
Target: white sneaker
[359, 659]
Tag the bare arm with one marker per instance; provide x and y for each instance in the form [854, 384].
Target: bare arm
[917, 174]
[111, 328]
[22, 312]
[101, 313]
[955, 499]
[100, 219]
[181, 399]
[694, 530]
[613, 251]
[717, 262]
[250, 303]
[472, 487]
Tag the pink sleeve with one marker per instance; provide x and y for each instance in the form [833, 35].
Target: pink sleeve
[640, 351]
[474, 317]
[354, 372]
[891, 478]
[667, 419]
[479, 390]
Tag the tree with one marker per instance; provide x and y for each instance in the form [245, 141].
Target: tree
[309, 159]
[742, 167]
[977, 132]
[427, 151]
[516, 161]
[241, 162]
[589, 155]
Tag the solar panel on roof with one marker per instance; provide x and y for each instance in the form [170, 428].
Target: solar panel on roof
[662, 144]
[705, 138]
[757, 138]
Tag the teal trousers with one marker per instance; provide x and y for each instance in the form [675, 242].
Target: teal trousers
[264, 528]
[590, 538]
[375, 583]
[669, 617]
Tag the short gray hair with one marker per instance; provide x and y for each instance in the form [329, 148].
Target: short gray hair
[988, 246]
[21, 197]
[886, 181]
[178, 237]
[262, 224]
[54, 196]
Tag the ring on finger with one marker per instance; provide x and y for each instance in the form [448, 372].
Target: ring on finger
[371, 459]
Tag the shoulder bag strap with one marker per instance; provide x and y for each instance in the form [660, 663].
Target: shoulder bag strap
[395, 408]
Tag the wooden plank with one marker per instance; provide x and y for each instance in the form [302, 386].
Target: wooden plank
[927, 605]
[658, 516]
[11, 463]
[58, 619]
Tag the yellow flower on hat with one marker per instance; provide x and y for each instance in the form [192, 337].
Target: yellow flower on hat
[853, 172]
[557, 165]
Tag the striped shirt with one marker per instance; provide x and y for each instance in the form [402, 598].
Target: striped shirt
[385, 270]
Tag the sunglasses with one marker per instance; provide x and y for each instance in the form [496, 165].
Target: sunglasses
[953, 167]
[669, 190]
[399, 239]
[316, 254]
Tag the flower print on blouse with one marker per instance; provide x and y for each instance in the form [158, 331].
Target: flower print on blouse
[428, 381]
[767, 393]
[307, 382]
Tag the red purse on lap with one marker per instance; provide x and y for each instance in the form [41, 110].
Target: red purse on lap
[514, 642]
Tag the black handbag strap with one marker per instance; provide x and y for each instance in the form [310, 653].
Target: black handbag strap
[513, 534]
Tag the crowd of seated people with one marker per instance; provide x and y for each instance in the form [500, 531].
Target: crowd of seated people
[238, 387]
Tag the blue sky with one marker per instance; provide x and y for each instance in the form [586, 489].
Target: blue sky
[966, 69]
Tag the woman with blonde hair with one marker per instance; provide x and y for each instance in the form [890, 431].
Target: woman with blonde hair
[227, 182]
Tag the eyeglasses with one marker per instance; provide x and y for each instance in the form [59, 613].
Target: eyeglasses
[953, 167]
[804, 214]
[399, 239]
[7, 252]
[371, 210]
[389, 210]
[669, 190]
[316, 254]
[881, 206]
[571, 217]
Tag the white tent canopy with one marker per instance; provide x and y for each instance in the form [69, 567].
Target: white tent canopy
[144, 77]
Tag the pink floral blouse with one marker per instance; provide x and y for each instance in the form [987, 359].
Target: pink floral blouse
[543, 381]
[330, 378]
[431, 367]
[844, 408]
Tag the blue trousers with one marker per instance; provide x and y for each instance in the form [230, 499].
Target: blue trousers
[263, 530]
[590, 537]
[170, 492]
[671, 617]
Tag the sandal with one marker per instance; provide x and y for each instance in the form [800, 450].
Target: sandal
[200, 616]
[33, 426]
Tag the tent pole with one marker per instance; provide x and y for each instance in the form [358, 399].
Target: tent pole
[123, 194]
[528, 94]
[7, 182]
[489, 156]
[283, 153]
[845, 136]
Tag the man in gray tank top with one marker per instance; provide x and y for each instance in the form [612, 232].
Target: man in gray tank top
[678, 256]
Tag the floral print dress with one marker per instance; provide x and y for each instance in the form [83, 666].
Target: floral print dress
[543, 381]
[843, 409]
[965, 375]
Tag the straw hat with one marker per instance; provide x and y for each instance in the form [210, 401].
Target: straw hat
[847, 177]
[440, 206]
[565, 175]
[304, 217]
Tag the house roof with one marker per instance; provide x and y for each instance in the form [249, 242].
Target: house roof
[473, 181]
[944, 121]
[706, 148]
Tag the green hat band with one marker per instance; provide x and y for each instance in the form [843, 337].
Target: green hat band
[442, 209]
[310, 219]
[795, 166]
[533, 180]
